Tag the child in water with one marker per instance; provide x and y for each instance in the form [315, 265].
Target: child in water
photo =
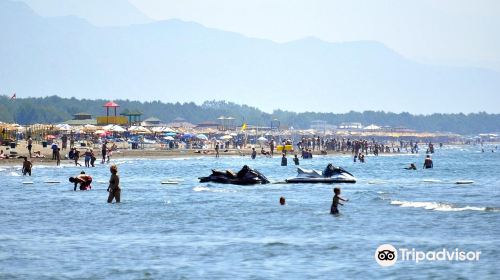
[336, 201]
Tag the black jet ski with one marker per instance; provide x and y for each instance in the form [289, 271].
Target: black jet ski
[331, 175]
[246, 176]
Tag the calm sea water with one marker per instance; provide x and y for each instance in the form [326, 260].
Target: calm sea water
[193, 230]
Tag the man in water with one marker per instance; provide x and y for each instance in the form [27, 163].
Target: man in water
[284, 161]
[428, 162]
[82, 179]
[296, 160]
[217, 149]
[254, 153]
[27, 166]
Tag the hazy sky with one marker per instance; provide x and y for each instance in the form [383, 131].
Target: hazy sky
[443, 31]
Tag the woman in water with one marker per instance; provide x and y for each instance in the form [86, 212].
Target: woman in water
[114, 185]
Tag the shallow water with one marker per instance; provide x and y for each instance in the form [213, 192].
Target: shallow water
[193, 230]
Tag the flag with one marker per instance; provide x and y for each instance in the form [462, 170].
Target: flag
[244, 126]
[13, 96]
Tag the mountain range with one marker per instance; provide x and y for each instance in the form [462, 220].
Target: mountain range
[181, 61]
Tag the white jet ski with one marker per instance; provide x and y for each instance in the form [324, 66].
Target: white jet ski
[336, 175]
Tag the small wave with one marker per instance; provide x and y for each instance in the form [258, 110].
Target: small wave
[201, 189]
[437, 206]
[14, 174]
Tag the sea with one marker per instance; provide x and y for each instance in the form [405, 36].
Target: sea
[191, 230]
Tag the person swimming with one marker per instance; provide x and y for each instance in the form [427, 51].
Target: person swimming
[336, 201]
[411, 167]
[282, 200]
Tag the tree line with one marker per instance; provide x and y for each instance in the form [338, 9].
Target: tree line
[55, 109]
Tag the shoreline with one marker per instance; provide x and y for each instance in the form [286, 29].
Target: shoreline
[161, 154]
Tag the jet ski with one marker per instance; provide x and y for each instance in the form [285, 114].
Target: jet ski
[329, 176]
[246, 176]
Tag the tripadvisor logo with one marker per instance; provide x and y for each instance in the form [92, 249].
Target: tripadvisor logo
[387, 255]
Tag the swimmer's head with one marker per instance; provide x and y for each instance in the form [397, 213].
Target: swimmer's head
[72, 179]
[336, 191]
[282, 200]
[113, 168]
[83, 172]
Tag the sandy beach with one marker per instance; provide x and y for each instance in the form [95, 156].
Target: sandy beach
[123, 151]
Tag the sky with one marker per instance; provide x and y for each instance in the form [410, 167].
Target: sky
[454, 32]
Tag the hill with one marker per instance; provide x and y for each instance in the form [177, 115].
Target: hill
[176, 61]
[54, 109]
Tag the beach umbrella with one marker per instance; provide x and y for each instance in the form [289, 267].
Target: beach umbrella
[234, 134]
[89, 127]
[226, 137]
[117, 128]
[169, 138]
[262, 139]
[187, 135]
[202, 137]
[170, 134]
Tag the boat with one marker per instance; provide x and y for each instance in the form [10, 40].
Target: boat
[246, 176]
[337, 175]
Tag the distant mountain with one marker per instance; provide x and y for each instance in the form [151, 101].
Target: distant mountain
[182, 61]
[97, 12]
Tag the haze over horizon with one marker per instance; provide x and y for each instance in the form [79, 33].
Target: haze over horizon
[419, 57]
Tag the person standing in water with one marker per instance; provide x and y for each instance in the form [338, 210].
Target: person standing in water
[284, 161]
[336, 201]
[428, 162]
[27, 165]
[104, 149]
[254, 153]
[296, 160]
[114, 185]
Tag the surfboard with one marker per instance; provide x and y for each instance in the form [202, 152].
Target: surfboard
[464, 182]
[52, 182]
[169, 183]
[432, 181]
[27, 183]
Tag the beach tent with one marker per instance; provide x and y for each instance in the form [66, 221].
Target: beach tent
[262, 139]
